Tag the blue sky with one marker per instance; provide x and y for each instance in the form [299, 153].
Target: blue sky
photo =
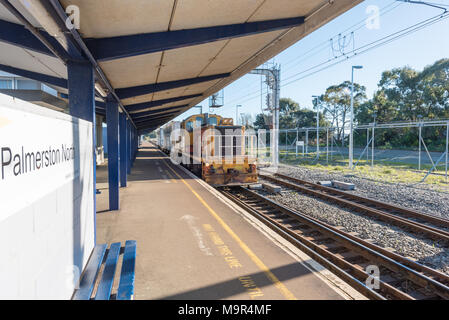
[416, 50]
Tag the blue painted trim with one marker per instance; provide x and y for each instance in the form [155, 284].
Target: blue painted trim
[100, 112]
[100, 107]
[112, 120]
[128, 147]
[145, 105]
[158, 119]
[154, 117]
[18, 35]
[107, 279]
[125, 289]
[100, 104]
[90, 274]
[132, 45]
[59, 82]
[150, 112]
[123, 149]
[124, 93]
[81, 87]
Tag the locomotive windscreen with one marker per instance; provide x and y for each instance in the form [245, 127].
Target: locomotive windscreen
[231, 140]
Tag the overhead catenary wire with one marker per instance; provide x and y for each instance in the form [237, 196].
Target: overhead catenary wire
[325, 45]
[358, 51]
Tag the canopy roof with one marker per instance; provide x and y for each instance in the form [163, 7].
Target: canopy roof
[157, 57]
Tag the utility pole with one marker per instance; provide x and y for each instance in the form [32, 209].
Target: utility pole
[351, 133]
[273, 79]
[237, 113]
[317, 127]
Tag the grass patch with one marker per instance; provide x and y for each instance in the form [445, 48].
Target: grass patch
[383, 172]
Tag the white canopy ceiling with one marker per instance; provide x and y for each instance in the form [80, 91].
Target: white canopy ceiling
[259, 29]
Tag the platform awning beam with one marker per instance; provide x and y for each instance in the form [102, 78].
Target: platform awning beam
[19, 36]
[156, 103]
[141, 120]
[55, 81]
[137, 116]
[130, 92]
[104, 49]
[144, 125]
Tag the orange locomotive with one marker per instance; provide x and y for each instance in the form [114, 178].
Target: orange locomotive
[224, 159]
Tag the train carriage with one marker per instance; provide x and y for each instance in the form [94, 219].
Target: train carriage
[224, 158]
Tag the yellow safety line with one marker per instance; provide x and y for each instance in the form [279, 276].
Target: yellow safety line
[172, 178]
[278, 284]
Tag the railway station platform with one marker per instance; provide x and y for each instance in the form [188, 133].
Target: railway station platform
[192, 244]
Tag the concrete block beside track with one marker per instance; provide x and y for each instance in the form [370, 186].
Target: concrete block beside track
[343, 185]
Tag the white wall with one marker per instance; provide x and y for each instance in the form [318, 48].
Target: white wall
[46, 213]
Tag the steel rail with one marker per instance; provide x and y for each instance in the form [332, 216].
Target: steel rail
[405, 211]
[315, 242]
[370, 207]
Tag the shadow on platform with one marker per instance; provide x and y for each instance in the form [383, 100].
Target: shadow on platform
[236, 286]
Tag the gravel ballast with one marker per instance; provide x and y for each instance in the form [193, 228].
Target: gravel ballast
[419, 197]
[385, 235]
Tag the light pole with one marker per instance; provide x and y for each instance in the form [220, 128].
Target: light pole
[372, 142]
[317, 126]
[351, 133]
[237, 113]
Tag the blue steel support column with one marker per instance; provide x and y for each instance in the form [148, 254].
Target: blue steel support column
[134, 145]
[112, 119]
[81, 87]
[123, 150]
[128, 147]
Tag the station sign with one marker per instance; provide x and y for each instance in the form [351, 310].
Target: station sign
[40, 150]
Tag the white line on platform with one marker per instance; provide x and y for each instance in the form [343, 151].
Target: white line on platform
[197, 234]
[333, 281]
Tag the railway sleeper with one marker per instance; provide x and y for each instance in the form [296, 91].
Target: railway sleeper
[341, 263]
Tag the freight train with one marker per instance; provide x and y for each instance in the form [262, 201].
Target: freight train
[224, 159]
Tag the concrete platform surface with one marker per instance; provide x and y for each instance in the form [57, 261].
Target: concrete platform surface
[191, 245]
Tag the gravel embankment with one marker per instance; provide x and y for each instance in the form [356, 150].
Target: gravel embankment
[424, 251]
[419, 197]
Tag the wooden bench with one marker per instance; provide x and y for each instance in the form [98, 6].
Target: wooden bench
[102, 256]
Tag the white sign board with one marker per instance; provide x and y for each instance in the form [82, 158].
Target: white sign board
[47, 208]
[37, 154]
[299, 144]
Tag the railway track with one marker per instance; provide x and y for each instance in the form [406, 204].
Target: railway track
[346, 255]
[424, 225]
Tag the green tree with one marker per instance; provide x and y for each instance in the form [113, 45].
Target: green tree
[337, 103]
[404, 94]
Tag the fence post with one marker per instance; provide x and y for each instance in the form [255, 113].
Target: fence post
[286, 143]
[419, 150]
[307, 141]
[447, 146]
[327, 145]
[372, 148]
[332, 144]
[297, 136]
[367, 143]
